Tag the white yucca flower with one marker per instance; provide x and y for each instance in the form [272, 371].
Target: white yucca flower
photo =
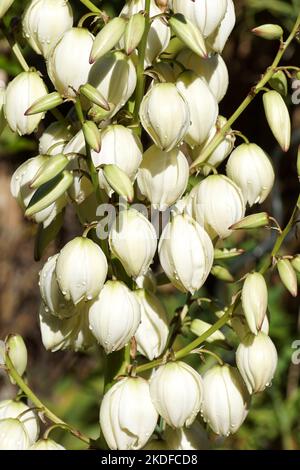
[114, 316]
[176, 390]
[21, 93]
[44, 21]
[185, 253]
[54, 138]
[163, 176]
[127, 415]
[255, 301]
[29, 419]
[13, 435]
[219, 37]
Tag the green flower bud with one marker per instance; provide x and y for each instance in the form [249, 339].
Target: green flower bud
[94, 95]
[17, 352]
[119, 181]
[92, 135]
[44, 104]
[261, 219]
[279, 82]
[296, 263]
[134, 32]
[51, 168]
[278, 118]
[226, 253]
[288, 276]
[268, 31]
[222, 273]
[199, 327]
[107, 38]
[189, 34]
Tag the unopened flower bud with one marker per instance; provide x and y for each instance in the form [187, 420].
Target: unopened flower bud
[176, 390]
[44, 22]
[256, 358]
[49, 193]
[186, 268]
[255, 301]
[51, 293]
[202, 105]
[225, 400]
[114, 316]
[189, 34]
[278, 118]
[199, 327]
[5, 5]
[46, 444]
[92, 135]
[217, 214]
[114, 76]
[21, 93]
[94, 95]
[268, 31]
[68, 65]
[212, 70]
[159, 33]
[152, 333]
[132, 240]
[13, 435]
[219, 37]
[81, 269]
[18, 410]
[250, 168]
[278, 82]
[51, 168]
[54, 138]
[222, 273]
[45, 104]
[120, 147]
[165, 115]
[107, 38]
[163, 176]
[205, 14]
[17, 352]
[127, 415]
[288, 276]
[119, 181]
[134, 32]
[296, 263]
[220, 153]
[261, 219]
[226, 253]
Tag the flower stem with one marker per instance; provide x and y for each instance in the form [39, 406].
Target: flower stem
[140, 87]
[249, 98]
[90, 6]
[38, 403]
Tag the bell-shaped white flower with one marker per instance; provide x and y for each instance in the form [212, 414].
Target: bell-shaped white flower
[54, 139]
[202, 105]
[205, 14]
[159, 33]
[133, 241]
[4, 6]
[119, 146]
[13, 435]
[29, 419]
[216, 203]
[114, 316]
[219, 37]
[152, 333]
[192, 438]
[186, 253]
[44, 22]
[163, 176]
[127, 415]
[46, 444]
[20, 94]
[68, 64]
[51, 293]
[176, 390]
[67, 333]
[250, 168]
[165, 115]
[255, 301]
[114, 76]
[81, 270]
[212, 70]
[225, 401]
[256, 358]
[220, 153]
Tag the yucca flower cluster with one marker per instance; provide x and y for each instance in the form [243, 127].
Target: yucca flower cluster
[142, 93]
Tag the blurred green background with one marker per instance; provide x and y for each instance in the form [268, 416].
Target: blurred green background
[72, 383]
